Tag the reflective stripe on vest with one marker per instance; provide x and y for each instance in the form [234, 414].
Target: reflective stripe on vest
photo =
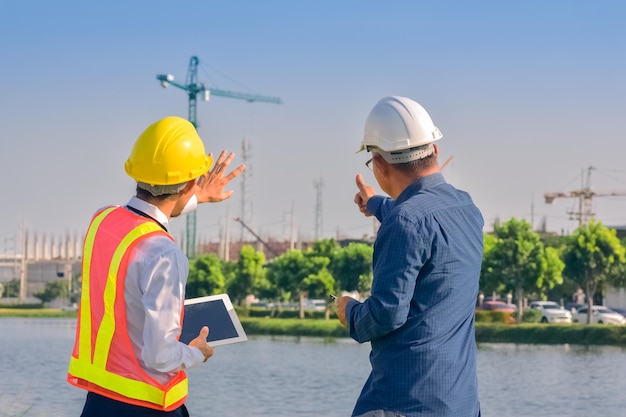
[88, 364]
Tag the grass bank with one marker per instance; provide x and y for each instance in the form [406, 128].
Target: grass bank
[527, 333]
[293, 327]
[552, 334]
[36, 312]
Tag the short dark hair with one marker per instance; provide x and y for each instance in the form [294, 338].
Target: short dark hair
[147, 195]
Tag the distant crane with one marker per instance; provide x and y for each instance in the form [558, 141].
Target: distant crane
[274, 252]
[585, 196]
[193, 88]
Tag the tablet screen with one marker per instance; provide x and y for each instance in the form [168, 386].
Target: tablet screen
[217, 313]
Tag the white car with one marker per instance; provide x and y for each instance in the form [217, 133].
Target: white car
[601, 315]
[551, 312]
[317, 305]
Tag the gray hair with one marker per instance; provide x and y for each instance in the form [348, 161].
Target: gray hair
[157, 190]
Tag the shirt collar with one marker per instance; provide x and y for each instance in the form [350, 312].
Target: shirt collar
[428, 181]
[149, 209]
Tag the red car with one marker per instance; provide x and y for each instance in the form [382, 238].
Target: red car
[498, 306]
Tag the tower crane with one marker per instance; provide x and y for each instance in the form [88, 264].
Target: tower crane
[274, 252]
[193, 88]
[585, 196]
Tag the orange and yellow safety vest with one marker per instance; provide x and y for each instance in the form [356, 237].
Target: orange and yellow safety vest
[102, 360]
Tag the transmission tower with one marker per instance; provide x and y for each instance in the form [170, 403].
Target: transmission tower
[193, 88]
[318, 184]
[585, 197]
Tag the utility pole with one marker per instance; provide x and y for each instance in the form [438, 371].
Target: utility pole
[318, 184]
[193, 89]
[292, 237]
[245, 204]
[23, 276]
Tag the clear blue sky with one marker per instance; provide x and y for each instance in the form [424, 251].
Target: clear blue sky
[527, 94]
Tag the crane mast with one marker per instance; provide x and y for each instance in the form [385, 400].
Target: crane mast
[585, 197]
[193, 88]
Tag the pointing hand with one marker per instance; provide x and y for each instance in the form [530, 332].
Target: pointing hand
[361, 198]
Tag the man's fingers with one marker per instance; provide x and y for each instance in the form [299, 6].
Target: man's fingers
[204, 332]
[360, 183]
[220, 159]
[236, 172]
[223, 161]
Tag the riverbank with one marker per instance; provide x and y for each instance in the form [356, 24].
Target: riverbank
[36, 313]
[525, 333]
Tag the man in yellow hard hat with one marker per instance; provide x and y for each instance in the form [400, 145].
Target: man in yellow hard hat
[127, 354]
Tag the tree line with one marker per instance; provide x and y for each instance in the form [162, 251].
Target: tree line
[516, 261]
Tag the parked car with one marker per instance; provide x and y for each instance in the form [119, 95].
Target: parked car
[573, 307]
[498, 306]
[600, 315]
[619, 310]
[551, 312]
[317, 305]
[262, 304]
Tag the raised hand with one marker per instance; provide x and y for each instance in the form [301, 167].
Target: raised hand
[210, 186]
[364, 194]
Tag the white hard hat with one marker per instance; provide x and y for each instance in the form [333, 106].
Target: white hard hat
[396, 124]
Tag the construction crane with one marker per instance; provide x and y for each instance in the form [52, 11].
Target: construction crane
[193, 89]
[585, 196]
[274, 252]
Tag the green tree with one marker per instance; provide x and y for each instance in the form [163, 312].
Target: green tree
[249, 274]
[318, 285]
[593, 257]
[325, 247]
[205, 277]
[551, 271]
[288, 270]
[352, 267]
[12, 288]
[53, 289]
[552, 241]
[518, 262]
[490, 283]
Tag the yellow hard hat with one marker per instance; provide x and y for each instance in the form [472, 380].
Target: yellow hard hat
[168, 152]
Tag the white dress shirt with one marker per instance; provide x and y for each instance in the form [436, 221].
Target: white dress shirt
[154, 292]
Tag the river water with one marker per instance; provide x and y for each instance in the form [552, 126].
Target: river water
[291, 376]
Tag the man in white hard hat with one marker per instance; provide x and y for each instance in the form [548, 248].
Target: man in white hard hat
[427, 257]
[127, 353]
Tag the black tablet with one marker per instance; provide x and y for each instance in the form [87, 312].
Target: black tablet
[217, 313]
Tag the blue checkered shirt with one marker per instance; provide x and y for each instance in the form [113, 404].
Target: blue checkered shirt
[419, 317]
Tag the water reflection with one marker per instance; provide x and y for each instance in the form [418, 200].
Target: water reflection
[290, 376]
[551, 380]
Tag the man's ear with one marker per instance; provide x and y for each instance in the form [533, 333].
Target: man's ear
[383, 165]
[190, 186]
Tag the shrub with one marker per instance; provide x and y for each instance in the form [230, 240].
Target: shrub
[529, 316]
[484, 316]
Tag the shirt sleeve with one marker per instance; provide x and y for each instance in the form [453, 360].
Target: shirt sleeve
[163, 280]
[380, 206]
[400, 253]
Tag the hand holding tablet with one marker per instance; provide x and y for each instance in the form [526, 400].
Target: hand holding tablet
[217, 313]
